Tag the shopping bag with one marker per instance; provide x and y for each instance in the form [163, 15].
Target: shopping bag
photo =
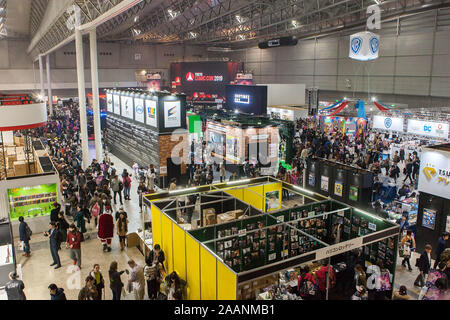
[21, 246]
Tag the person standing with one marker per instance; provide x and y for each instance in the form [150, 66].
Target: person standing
[141, 190]
[52, 233]
[115, 283]
[126, 185]
[79, 219]
[408, 244]
[14, 288]
[153, 276]
[122, 229]
[117, 186]
[25, 236]
[56, 293]
[106, 230]
[89, 291]
[99, 282]
[136, 281]
[222, 173]
[408, 171]
[440, 247]
[62, 225]
[173, 184]
[54, 212]
[424, 265]
[156, 256]
[73, 242]
[150, 175]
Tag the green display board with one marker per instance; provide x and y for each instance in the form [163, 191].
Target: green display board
[195, 124]
[32, 201]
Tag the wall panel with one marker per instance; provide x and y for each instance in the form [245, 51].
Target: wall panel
[226, 283]
[192, 268]
[167, 242]
[208, 274]
[179, 251]
[156, 225]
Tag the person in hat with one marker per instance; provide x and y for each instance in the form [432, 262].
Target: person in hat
[106, 230]
[440, 247]
[14, 288]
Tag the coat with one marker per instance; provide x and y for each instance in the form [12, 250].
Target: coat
[106, 226]
[423, 263]
[115, 283]
[23, 232]
[59, 295]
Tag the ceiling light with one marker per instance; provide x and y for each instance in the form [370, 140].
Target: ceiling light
[136, 19]
[373, 98]
[345, 98]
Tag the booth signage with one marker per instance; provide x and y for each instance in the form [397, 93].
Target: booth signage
[338, 188]
[324, 180]
[434, 173]
[151, 113]
[428, 128]
[109, 102]
[199, 76]
[242, 98]
[353, 193]
[116, 99]
[127, 107]
[339, 248]
[372, 226]
[388, 123]
[364, 46]
[139, 111]
[172, 114]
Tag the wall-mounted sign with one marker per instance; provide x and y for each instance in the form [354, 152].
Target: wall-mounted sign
[116, 106]
[172, 114]
[372, 226]
[151, 114]
[199, 76]
[139, 110]
[312, 180]
[353, 193]
[109, 102]
[429, 218]
[127, 107]
[447, 225]
[338, 248]
[324, 183]
[242, 98]
[388, 123]
[428, 128]
[434, 173]
[338, 188]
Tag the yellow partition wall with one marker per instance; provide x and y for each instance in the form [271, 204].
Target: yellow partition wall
[156, 225]
[254, 197]
[192, 268]
[237, 193]
[277, 186]
[208, 274]
[179, 251]
[226, 283]
[167, 242]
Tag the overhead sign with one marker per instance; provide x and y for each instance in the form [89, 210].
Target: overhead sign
[172, 114]
[116, 100]
[109, 102]
[428, 128]
[434, 174]
[388, 123]
[139, 110]
[339, 248]
[364, 46]
[127, 106]
[199, 76]
[151, 114]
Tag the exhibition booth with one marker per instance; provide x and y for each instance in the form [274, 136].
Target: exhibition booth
[147, 126]
[248, 244]
[348, 125]
[433, 217]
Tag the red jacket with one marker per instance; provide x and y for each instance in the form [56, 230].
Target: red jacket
[321, 275]
[308, 277]
[105, 226]
[74, 239]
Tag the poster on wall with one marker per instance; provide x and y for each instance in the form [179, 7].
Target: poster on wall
[232, 148]
[338, 188]
[312, 180]
[109, 102]
[139, 110]
[447, 225]
[429, 218]
[324, 183]
[353, 193]
[150, 113]
[127, 107]
[31, 201]
[273, 200]
[116, 100]
[172, 114]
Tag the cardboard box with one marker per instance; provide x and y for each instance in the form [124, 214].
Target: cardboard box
[20, 168]
[207, 213]
[225, 217]
[210, 219]
[236, 213]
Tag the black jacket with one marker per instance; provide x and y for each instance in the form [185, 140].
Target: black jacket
[59, 295]
[115, 283]
[161, 257]
[23, 232]
[54, 214]
[423, 263]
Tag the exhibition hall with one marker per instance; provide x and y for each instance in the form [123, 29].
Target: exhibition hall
[225, 150]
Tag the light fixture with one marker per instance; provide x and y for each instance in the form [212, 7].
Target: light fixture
[238, 181]
[345, 98]
[373, 98]
[182, 190]
[236, 111]
[368, 214]
[136, 19]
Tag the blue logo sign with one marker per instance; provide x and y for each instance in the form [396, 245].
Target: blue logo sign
[388, 122]
[139, 110]
[356, 44]
[427, 128]
[374, 44]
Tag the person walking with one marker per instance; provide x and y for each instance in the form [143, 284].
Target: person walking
[136, 280]
[122, 229]
[74, 239]
[106, 230]
[408, 244]
[52, 233]
[89, 291]
[222, 173]
[408, 171]
[14, 287]
[424, 265]
[150, 175]
[126, 185]
[440, 247]
[56, 293]
[62, 225]
[99, 282]
[115, 283]
[25, 236]
[117, 187]
[80, 220]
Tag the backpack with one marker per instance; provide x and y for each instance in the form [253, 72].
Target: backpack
[127, 181]
[307, 288]
[120, 185]
[95, 210]
[28, 231]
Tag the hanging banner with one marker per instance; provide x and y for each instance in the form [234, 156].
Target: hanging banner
[428, 128]
[150, 113]
[388, 123]
[364, 46]
[109, 102]
[127, 107]
[139, 110]
[172, 114]
[116, 106]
